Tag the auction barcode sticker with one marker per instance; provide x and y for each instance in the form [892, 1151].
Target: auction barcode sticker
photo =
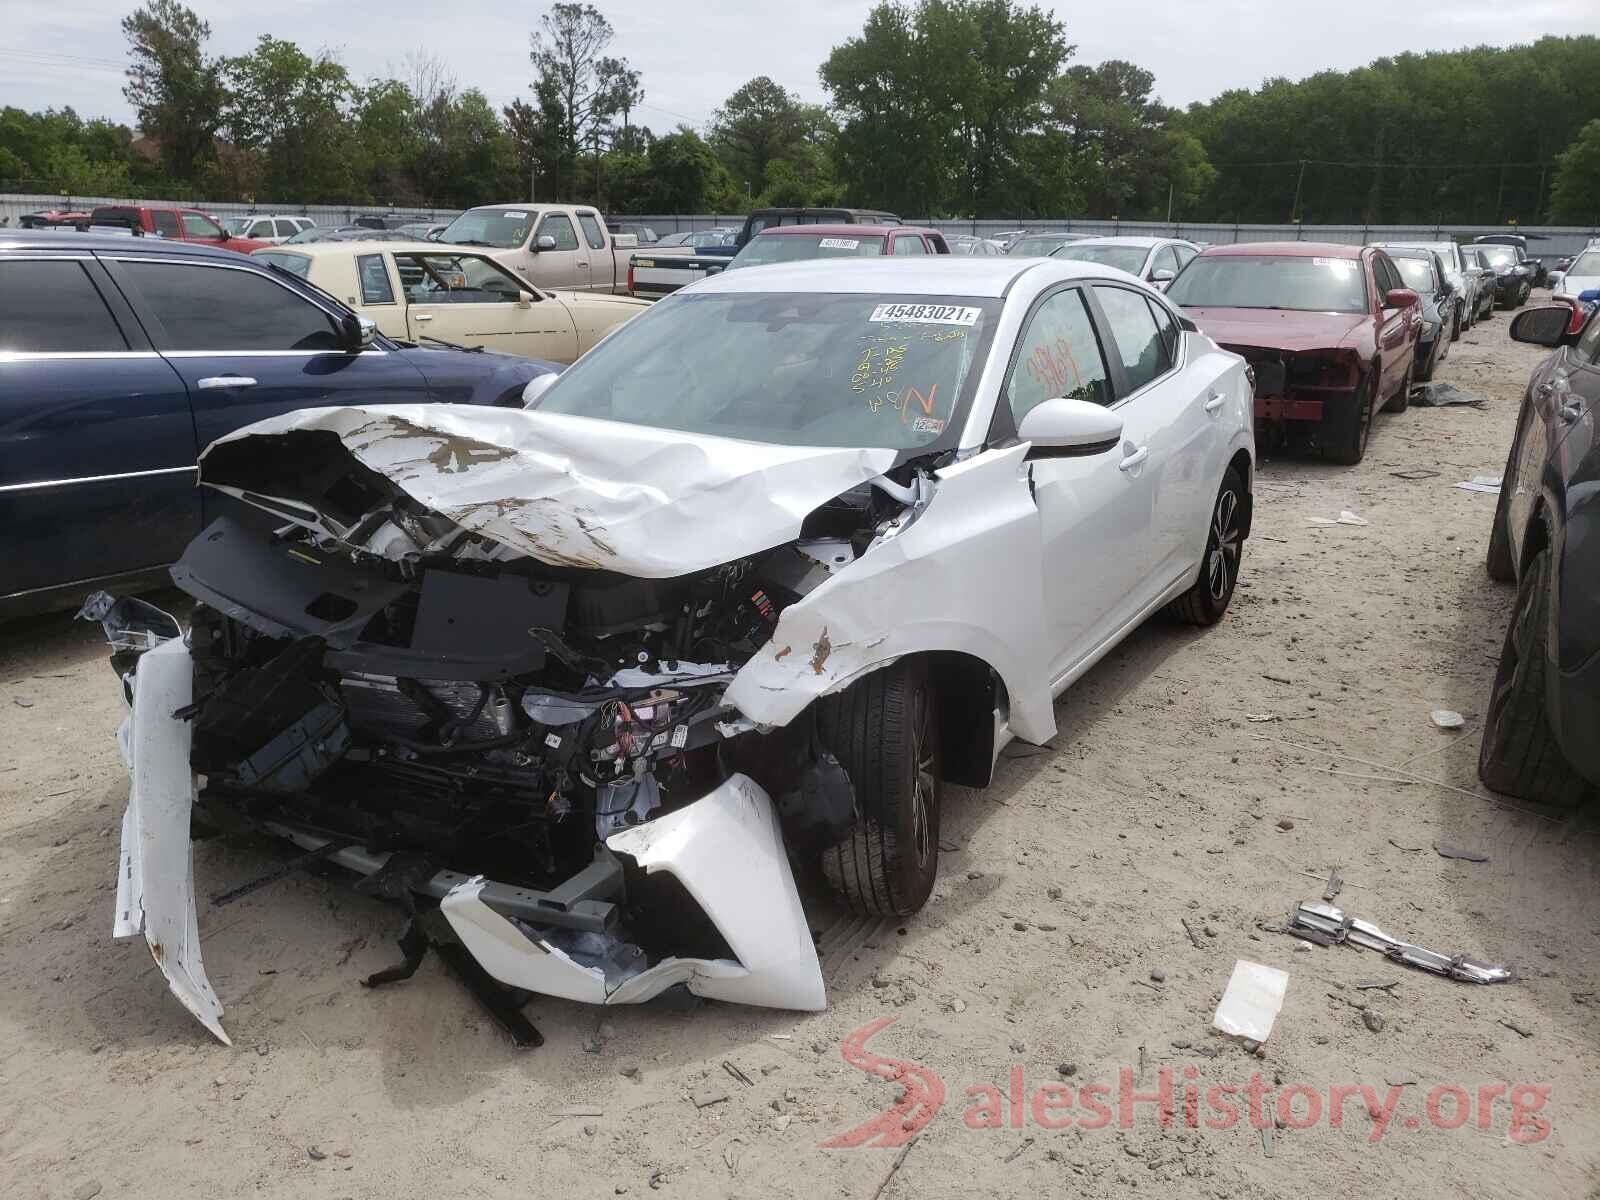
[1338, 264]
[839, 243]
[926, 314]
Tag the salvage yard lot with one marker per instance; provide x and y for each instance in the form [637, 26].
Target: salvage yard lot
[1089, 910]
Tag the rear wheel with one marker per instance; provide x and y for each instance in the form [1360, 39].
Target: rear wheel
[1501, 567]
[1519, 755]
[884, 729]
[1349, 443]
[1207, 600]
[1432, 361]
[1455, 326]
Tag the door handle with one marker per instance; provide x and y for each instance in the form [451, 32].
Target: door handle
[1134, 459]
[422, 316]
[583, 262]
[225, 381]
[1214, 403]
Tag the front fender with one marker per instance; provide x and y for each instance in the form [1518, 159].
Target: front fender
[964, 574]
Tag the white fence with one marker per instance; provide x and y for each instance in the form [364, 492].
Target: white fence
[1544, 242]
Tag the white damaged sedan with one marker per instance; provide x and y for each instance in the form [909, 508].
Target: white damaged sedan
[745, 587]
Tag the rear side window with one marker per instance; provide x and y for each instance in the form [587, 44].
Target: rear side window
[591, 231]
[261, 229]
[1138, 340]
[908, 244]
[54, 307]
[219, 309]
[165, 221]
[374, 273]
[286, 228]
[557, 226]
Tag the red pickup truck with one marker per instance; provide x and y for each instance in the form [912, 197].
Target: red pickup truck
[172, 223]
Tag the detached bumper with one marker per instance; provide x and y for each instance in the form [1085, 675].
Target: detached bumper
[726, 849]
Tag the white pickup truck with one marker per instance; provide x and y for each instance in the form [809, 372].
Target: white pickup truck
[552, 246]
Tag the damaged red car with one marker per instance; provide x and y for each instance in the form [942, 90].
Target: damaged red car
[1330, 332]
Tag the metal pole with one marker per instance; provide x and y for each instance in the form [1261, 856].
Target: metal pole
[1169, 203]
[1294, 211]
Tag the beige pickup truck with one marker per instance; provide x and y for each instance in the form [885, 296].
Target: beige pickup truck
[553, 246]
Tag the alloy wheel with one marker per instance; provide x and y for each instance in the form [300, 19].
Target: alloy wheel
[1222, 550]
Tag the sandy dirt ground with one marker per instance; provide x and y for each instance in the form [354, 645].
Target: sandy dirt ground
[1091, 906]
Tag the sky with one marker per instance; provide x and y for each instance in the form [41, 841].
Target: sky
[692, 56]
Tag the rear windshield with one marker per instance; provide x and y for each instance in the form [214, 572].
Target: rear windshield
[1587, 263]
[1037, 247]
[1417, 273]
[1297, 283]
[295, 264]
[1123, 258]
[1498, 256]
[501, 228]
[792, 369]
[787, 247]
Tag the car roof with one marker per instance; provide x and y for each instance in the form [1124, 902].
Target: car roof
[58, 239]
[1142, 242]
[1405, 250]
[1287, 249]
[531, 206]
[932, 275]
[851, 230]
[367, 246]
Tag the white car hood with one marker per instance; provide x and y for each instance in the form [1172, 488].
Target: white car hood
[573, 491]
[1576, 285]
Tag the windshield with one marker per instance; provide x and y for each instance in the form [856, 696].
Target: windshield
[787, 247]
[1295, 282]
[1416, 272]
[503, 228]
[1498, 256]
[1587, 263]
[1038, 247]
[295, 264]
[792, 369]
[1123, 258]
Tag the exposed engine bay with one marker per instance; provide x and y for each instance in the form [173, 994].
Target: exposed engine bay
[542, 746]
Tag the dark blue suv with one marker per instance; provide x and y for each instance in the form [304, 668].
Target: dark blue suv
[121, 359]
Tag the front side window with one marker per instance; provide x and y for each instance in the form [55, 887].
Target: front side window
[1058, 356]
[1297, 283]
[908, 244]
[197, 225]
[165, 222]
[54, 308]
[556, 225]
[374, 275]
[456, 279]
[792, 369]
[1145, 354]
[261, 229]
[592, 232]
[219, 309]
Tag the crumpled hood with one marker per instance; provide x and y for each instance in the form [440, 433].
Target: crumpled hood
[1276, 329]
[572, 491]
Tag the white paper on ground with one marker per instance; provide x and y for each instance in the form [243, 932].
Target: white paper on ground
[1481, 483]
[1344, 518]
[1252, 1000]
[1446, 718]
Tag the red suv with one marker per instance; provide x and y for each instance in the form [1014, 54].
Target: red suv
[173, 224]
[1329, 330]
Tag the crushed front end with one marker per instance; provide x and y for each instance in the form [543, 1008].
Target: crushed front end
[533, 755]
[1309, 395]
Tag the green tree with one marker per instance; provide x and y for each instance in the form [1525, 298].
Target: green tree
[1575, 197]
[293, 111]
[173, 86]
[687, 176]
[757, 125]
[581, 88]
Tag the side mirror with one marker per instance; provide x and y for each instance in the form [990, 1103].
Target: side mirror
[537, 387]
[1065, 428]
[358, 332]
[544, 241]
[524, 299]
[1544, 326]
[1399, 298]
[1163, 275]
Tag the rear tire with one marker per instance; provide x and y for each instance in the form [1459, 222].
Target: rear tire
[1207, 600]
[1432, 363]
[1350, 445]
[1519, 755]
[1499, 563]
[884, 729]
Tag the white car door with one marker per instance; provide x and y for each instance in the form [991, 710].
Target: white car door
[1172, 410]
[474, 301]
[1094, 509]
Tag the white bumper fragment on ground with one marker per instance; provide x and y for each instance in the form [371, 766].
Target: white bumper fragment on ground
[727, 851]
[155, 876]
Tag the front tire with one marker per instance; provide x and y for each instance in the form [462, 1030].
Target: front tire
[1207, 600]
[1519, 756]
[1498, 562]
[1350, 443]
[1401, 400]
[884, 729]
